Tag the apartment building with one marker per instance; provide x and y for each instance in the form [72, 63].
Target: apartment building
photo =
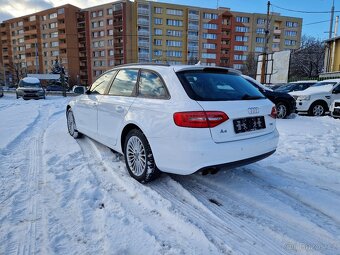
[90, 41]
[32, 43]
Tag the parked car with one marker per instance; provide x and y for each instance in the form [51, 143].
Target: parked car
[295, 86]
[55, 88]
[285, 104]
[1, 91]
[79, 89]
[175, 119]
[30, 87]
[335, 109]
[316, 99]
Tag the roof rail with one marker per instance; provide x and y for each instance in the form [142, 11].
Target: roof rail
[143, 64]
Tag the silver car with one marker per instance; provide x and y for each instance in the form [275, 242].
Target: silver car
[30, 87]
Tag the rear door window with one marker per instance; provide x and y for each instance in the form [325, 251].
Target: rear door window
[151, 85]
[217, 85]
[125, 83]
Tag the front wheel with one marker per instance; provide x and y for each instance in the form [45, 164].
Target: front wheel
[71, 125]
[139, 158]
[317, 109]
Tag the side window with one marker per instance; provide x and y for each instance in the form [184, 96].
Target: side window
[102, 83]
[151, 85]
[337, 89]
[124, 83]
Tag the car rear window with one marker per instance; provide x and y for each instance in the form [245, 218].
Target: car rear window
[323, 83]
[217, 85]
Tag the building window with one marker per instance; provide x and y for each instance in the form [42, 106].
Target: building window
[54, 35]
[94, 24]
[100, 13]
[242, 29]
[290, 33]
[53, 15]
[158, 52]
[175, 33]
[54, 53]
[101, 23]
[109, 11]
[260, 31]
[210, 26]
[110, 52]
[158, 21]
[259, 49]
[158, 31]
[240, 57]
[32, 18]
[174, 12]
[174, 53]
[110, 32]
[158, 10]
[241, 48]
[260, 39]
[290, 42]
[275, 45]
[238, 66]
[210, 15]
[261, 21]
[54, 44]
[93, 14]
[242, 19]
[173, 43]
[240, 38]
[209, 46]
[110, 42]
[157, 42]
[291, 24]
[61, 11]
[109, 21]
[209, 55]
[209, 36]
[53, 25]
[174, 22]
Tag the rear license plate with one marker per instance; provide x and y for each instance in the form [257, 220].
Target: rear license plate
[249, 124]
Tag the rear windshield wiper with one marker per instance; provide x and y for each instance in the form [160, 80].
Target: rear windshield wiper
[247, 97]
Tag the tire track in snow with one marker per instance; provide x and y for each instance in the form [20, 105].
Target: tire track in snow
[140, 198]
[310, 212]
[275, 225]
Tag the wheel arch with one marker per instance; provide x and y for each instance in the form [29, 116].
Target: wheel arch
[321, 101]
[125, 131]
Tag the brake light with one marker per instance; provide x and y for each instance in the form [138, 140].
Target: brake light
[200, 119]
[273, 114]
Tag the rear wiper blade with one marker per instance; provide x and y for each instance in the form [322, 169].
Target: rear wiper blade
[247, 97]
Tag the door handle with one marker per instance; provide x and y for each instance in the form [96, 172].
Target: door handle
[119, 109]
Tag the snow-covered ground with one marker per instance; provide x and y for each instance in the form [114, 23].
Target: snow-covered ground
[64, 196]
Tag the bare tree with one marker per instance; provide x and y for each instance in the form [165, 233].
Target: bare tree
[307, 61]
[250, 65]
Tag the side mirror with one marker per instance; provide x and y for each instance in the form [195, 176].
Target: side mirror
[88, 92]
[336, 91]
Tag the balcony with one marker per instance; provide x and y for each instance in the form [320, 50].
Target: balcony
[193, 27]
[62, 36]
[277, 31]
[143, 44]
[276, 40]
[81, 29]
[61, 16]
[61, 25]
[62, 45]
[194, 16]
[225, 36]
[143, 33]
[143, 11]
[143, 22]
[31, 32]
[118, 45]
[31, 41]
[193, 37]
[224, 55]
[275, 49]
[118, 33]
[192, 48]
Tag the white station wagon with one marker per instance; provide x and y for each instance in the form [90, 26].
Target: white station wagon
[176, 119]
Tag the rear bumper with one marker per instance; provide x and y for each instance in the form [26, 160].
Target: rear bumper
[180, 156]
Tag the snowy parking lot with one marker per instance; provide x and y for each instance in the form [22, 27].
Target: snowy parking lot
[64, 196]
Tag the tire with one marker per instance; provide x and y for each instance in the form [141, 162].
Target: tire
[282, 111]
[71, 125]
[138, 156]
[317, 109]
[17, 96]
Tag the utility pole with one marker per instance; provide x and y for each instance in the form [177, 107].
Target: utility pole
[331, 24]
[265, 50]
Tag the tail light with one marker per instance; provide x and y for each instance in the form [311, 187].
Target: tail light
[200, 119]
[273, 114]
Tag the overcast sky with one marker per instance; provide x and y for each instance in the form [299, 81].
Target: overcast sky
[16, 8]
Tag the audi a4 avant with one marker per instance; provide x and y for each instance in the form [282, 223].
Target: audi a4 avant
[176, 119]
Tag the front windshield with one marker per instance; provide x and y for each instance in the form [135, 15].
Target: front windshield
[28, 84]
[323, 83]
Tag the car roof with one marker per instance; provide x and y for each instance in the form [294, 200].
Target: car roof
[332, 80]
[176, 68]
[308, 81]
[31, 80]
